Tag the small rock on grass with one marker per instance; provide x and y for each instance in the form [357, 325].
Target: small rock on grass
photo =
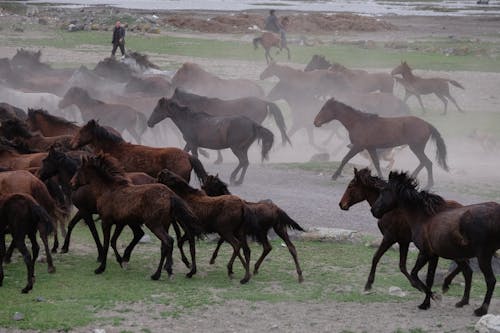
[488, 324]
[396, 291]
[18, 316]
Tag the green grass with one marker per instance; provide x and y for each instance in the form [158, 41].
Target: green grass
[74, 296]
[425, 54]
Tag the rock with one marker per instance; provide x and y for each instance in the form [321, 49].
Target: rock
[94, 26]
[488, 324]
[18, 316]
[43, 21]
[329, 235]
[145, 239]
[98, 330]
[71, 27]
[396, 291]
[40, 299]
[320, 157]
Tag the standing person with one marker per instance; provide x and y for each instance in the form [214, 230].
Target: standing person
[118, 39]
[274, 25]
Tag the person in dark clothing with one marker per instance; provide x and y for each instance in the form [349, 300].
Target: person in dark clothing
[118, 39]
[274, 25]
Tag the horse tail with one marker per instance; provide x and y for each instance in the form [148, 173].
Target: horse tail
[456, 84]
[280, 121]
[440, 148]
[184, 216]
[256, 42]
[267, 138]
[198, 168]
[43, 198]
[251, 223]
[287, 221]
[141, 123]
[40, 215]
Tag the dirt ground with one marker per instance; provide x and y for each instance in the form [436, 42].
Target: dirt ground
[312, 199]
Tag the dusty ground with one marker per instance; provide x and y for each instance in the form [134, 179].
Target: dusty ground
[312, 199]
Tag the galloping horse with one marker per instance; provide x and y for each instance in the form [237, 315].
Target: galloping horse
[415, 85]
[203, 130]
[437, 231]
[371, 132]
[268, 40]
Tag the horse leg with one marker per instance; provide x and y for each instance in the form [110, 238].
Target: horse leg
[403, 255]
[288, 52]
[242, 155]
[449, 278]
[422, 259]
[71, 225]
[266, 248]
[2, 255]
[431, 271]
[116, 234]
[310, 135]
[167, 247]
[445, 102]
[10, 250]
[30, 264]
[106, 234]
[192, 251]
[484, 260]
[35, 249]
[48, 254]
[246, 253]
[418, 150]
[375, 160]
[138, 233]
[281, 232]
[467, 271]
[421, 103]
[350, 154]
[385, 245]
[216, 251]
[455, 102]
[180, 242]
[219, 158]
[89, 221]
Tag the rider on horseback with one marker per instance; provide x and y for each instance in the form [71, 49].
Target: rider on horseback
[274, 25]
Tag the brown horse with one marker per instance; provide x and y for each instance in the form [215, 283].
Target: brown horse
[50, 125]
[193, 78]
[21, 216]
[12, 159]
[152, 86]
[226, 215]
[393, 225]
[120, 117]
[122, 203]
[458, 233]
[200, 129]
[8, 112]
[137, 158]
[16, 130]
[269, 40]
[416, 85]
[268, 216]
[371, 132]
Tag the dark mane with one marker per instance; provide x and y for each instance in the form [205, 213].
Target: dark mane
[176, 183]
[214, 186]
[63, 159]
[142, 60]
[353, 110]
[406, 188]
[107, 167]
[183, 94]
[12, 128]
[14, 147]
[186, 111]
[101, 133]
[365, 177]
[33, 112]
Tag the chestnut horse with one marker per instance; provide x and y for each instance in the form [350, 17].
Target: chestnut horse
[437, 231]
[269, 40]
[137, 158]
[416, 85]
[268, 216]
[193, 78]
[12, 159]
[50, 125]
[371, 132]
[120, 202]
[393, 225]
[200, 129]
[21, 216]
[227, 215]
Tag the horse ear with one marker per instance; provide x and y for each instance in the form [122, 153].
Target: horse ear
[355, 171]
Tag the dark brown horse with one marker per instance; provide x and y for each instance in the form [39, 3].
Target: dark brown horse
[200, 129]
[193, 78]
[8, 111]
[371, 132]
[10, 158]
[16, 130]
[21, 216]
[226, 215]
[393, 225]
[120, 117]
[122, 203]
[416, 85]
[50, 125]
[268, 216]
[269, 40]
[458, 233]
[137, 158]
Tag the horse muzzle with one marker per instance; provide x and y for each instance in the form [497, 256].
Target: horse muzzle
[343, 206]
[377, 213]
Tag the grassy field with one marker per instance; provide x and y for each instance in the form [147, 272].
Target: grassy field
[74, 296]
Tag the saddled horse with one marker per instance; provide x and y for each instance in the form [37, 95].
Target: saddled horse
[269, 40]
[138, 158]
[193, 78]
[371, 132]
[268, 215]
[120, 117]
[437, 231]
[203, 130]
[416, 85]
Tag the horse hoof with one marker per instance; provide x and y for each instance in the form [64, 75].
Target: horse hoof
[334, 177]
[301, 279]
[99, 270]
[480, 311]
[51, 269]
[212, 261]
[53, 251]
[368, 287]
[255, 272]
[461, 304]
[124, 264]
[190, 274]
[64, 250]
[26, 290]
[445, 288]
[155, 277]
[424, 306]
[244, 280]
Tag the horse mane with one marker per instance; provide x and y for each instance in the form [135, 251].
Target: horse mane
[101, 133]
[16, 128]
[185, 94]
[62, 158]
[176, 183]
[45, 114]
[406, 187]
[107, 167]
[142, 60]
[353, 110]
[365, 177]
[214, 186]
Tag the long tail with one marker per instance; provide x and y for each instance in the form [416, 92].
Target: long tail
[267, 138]
[456, 84]
[43, 219]
[42, 196]
[280, 121]
[287, 221]
[252, 226]
[256, 42]
[185, 217]
[198, 168]
[440, 148]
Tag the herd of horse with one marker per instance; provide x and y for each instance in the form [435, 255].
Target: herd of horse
[50, 163]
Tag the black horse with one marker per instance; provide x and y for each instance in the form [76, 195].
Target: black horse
[203, 130]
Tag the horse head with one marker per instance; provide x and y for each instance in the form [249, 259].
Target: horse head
[401, 69]
[317, 62]
[51, 163]
[214, 186]
[85, 135]
[327, 112]
[75, 95]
